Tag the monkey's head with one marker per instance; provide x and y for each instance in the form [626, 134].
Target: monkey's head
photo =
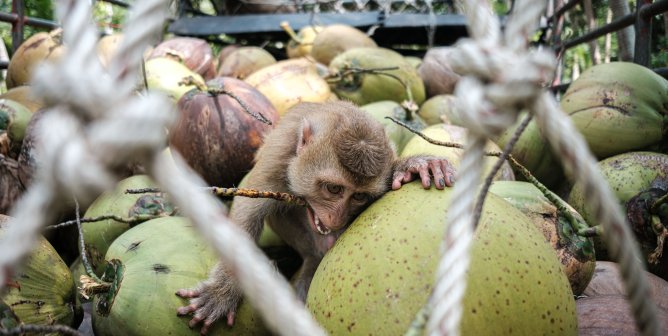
[343, 162]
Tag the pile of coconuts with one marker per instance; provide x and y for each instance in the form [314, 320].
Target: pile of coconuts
[538, 258]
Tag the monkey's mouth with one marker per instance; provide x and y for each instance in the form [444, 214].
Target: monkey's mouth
[315, 222]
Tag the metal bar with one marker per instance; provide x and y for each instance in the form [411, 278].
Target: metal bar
[658, 7]
[8, 17]
[41, 23]
[28, 21]
[117, 3]
[617, 24]
[561, 11]
[643, 27]
[18, 9]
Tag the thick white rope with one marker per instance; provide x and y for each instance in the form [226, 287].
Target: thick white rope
[96, 125]
[515, 77]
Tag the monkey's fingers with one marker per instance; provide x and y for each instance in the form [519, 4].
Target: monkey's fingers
[438, 172]
[194, 321]
[401, 178]
[188, 293]
[449, 173]
[186, 310]
[425, 176]
[230, 318]
[206, 325]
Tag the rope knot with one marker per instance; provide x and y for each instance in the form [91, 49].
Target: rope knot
[501, 77]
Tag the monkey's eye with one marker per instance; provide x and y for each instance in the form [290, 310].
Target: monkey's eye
[360, 197]
[334, 189]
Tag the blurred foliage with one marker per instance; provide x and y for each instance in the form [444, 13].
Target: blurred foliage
[42, 9]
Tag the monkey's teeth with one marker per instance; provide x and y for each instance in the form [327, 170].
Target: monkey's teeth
[321, 228]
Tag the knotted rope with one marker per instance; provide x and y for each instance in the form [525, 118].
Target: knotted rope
[96, 124]
[501, 78]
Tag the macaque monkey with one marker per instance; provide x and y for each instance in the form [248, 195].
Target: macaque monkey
[339, 160]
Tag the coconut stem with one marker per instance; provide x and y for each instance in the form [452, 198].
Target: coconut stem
[655, 256]
[286, 26]
[659, 202]
[90, 286]
[594, 231]
[190, 80]
[243, 192]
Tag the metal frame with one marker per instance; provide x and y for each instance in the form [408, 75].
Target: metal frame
[642, 18]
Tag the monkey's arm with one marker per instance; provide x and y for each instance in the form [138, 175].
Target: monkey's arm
[426, 167]
[220, 295]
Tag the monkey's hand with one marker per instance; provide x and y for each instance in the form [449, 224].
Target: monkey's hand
[426, 167]
[212, 299]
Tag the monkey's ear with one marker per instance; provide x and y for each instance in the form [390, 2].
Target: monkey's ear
[305, 135]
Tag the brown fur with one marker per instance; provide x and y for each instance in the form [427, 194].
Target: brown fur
[314, 150]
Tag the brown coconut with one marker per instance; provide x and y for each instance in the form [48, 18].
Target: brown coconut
[215, 134]
[244, 61]
[610, 315]
[436, 72]
[607, 281]
[194, 53]
[10, 186]
[33, 51]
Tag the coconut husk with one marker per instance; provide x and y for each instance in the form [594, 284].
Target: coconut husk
[436, 73]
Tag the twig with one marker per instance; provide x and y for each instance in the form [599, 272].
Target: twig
[243, 192]
[214, 91]
[82, 245]
[134, 220]
[477, 212]
[559, 203]
[41, 330]
[409, 105]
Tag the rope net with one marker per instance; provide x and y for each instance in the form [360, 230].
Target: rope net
[89, 108]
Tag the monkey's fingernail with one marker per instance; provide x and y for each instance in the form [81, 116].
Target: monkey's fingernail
[442, 182]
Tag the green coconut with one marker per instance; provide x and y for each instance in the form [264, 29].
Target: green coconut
[146, 266]
[639, 180]
[42, 291]
[398, 134]
[24, 96]
[364, 87]
[534, 152]
[335, 39]
[99, 235]
[575, 253]
[439, 109]
[453, 134]
[381, 271]
[14, 119]
[618, 107]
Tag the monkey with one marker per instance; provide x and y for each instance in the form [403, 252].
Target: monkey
[338, 159]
